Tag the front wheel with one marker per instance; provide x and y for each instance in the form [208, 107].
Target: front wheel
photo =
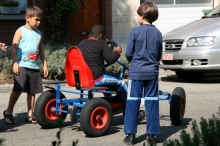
[96, 117]
[177, 106]
[44, 109]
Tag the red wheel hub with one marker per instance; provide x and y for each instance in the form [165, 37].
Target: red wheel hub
[49, 110]
[99, 118]
[182, 107]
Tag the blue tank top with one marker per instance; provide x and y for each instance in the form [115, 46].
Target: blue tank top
[28, 48]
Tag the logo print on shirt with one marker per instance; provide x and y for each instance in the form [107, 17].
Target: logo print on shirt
[33, 55]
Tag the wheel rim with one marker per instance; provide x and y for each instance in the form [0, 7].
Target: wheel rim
[49, 110]
[99, 118]
[182, 106]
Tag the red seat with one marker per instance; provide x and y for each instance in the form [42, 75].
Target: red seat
[79, 75]
[77, 69]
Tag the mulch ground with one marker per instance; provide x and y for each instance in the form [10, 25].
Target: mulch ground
[6, 79]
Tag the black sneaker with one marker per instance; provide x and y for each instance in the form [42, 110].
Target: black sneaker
[129, 140]
[141, 115]
[151, 139]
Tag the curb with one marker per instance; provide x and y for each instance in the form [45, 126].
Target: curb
[6, 88]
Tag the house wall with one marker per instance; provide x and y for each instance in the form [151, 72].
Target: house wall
[124, 18]
[216, 3]
[107, 17]
[8, 28]
[10, 23]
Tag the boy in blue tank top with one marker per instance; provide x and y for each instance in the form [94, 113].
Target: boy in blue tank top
[26, 53]
[144, 49]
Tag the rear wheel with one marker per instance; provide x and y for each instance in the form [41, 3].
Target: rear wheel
[44, 109]
[96, 117]
[177, 106]
[189, 75]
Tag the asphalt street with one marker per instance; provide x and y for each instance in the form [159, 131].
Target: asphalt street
[202, 100]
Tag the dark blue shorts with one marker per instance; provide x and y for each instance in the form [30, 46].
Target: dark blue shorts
[29, 81]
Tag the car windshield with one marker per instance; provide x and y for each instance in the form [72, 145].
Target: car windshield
[214, 13]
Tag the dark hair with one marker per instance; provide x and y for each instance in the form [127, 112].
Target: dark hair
[97, 30]
[34, 11]
[149, 11]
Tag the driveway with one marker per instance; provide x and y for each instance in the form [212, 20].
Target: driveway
[202, 100]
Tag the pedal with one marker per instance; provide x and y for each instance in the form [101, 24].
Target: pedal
[73, 116]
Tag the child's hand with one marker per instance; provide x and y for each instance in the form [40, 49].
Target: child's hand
[16, 69]
[118, 48]
[45, 71]
[3, 47]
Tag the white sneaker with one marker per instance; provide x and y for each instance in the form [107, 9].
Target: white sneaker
[142, 103]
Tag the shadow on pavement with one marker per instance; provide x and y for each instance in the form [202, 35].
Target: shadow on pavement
[117, 124]
[167, 131]
[19, 119]
[209, 78]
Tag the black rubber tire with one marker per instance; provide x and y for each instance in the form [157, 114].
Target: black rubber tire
[96, 117]
[189, 75]
[177, 106]
[46, 118]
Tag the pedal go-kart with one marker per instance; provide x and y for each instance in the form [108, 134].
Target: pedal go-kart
[94, 114]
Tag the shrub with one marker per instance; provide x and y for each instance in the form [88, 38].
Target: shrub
[207, 134]
[58, 135]
[56, 56]
[116, 68]
[6, 68]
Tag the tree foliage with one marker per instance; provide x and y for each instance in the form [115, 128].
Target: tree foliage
[57, 13]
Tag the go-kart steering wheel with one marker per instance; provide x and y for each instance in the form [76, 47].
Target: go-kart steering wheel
[112, 44]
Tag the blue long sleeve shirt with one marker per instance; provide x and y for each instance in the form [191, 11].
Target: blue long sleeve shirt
[143, 51]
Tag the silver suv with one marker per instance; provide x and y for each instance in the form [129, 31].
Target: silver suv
[194, 49]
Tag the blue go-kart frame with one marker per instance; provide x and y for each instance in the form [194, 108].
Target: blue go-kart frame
[94, 114]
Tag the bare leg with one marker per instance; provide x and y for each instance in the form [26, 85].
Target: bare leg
[12, 101]
[30, 106]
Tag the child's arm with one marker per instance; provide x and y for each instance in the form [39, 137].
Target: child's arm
[43, 60]
[130, 47]
[118, 49]
[16, 40]
[111, 56]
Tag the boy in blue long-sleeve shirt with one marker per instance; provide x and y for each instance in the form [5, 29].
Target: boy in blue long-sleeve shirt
[144, 49]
